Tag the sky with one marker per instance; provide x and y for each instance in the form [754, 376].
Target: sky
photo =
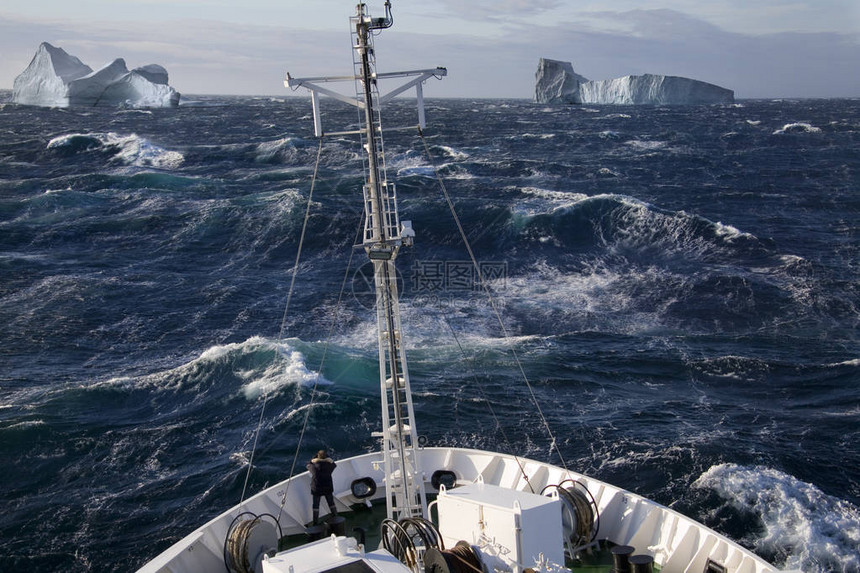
[758, 48]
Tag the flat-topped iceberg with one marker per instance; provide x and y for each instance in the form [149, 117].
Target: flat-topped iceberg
[55, 78]
[556, 82]
[654, 89]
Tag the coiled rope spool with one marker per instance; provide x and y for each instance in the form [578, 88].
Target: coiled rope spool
[459, 559]
[249, 538]
[581, 517]
[410, 538]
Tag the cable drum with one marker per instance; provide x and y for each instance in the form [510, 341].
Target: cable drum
[410, 539]
[462, 558]
[248, 539]
[580, 517]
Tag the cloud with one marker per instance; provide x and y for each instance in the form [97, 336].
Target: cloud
[673, 43]
[660, 23]
[201, 56]
[496, 9]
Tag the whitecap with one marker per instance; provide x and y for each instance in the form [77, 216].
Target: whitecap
[140, 152]
[76, 141]
[728, 231]
[269, 150]
[534, 136]
[414, 164]
[130, 149]
[606, 172]
[646, 145]
[289, 371]
[799, 127]
[417, 171]
[541, 201]
[453, 153]
[52, 191]
[26, 425]
[258, 373]
[559, 196]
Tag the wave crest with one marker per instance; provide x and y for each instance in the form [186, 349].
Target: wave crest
[627, 226]
[130, 149]
[257, 366]
[798, 127]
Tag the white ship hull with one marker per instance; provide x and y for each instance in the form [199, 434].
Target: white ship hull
[677, 543]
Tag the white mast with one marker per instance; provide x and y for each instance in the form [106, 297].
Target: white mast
[383, 237]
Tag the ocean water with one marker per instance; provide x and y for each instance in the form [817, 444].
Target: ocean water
[680, 283]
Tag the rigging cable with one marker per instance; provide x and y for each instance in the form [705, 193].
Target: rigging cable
[319, 370]
[491, 299]
[286, 311]
[322, 363]
[480, 388]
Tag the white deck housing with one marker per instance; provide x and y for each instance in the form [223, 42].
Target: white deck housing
[333, 554]
[518, 527]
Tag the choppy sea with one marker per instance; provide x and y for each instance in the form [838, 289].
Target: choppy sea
[682, 285]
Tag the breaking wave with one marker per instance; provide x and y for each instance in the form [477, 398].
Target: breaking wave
[804, 527]
[254, 367]
[131, 150]
[627, 225]
[799, 127]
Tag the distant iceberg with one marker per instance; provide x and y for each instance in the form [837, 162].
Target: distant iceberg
[55, 78]
[556, 82]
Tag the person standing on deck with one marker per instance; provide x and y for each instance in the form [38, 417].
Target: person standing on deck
[321, 468]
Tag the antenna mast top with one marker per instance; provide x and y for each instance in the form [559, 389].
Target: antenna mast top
[362, 20]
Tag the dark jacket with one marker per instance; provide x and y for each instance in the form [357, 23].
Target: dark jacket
[321, 470]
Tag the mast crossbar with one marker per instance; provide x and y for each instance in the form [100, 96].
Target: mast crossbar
[312, 85]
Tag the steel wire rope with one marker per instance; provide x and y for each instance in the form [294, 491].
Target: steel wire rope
[423, 529]
[486, 399]
[398, 542]
[284, 318]
[492, 300]
[465, 558]
[322, 363]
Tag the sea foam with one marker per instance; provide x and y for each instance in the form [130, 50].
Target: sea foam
[799, 127]
[821, 532]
